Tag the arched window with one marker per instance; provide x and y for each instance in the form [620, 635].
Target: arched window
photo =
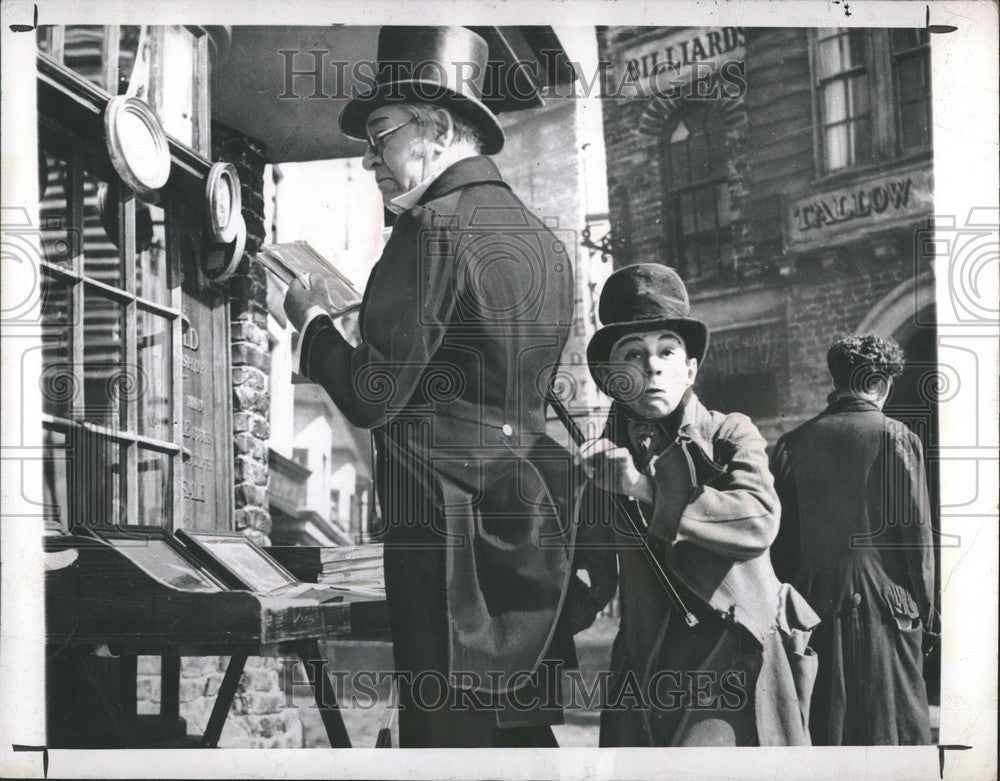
[696, 198]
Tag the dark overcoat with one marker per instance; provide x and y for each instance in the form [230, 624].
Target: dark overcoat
[713, 518]
[856, 540]
[464, 318]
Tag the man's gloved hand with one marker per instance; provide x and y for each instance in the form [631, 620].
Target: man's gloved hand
[302, 300]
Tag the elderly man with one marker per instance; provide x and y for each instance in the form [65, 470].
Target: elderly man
[464, 318]
[856, 539]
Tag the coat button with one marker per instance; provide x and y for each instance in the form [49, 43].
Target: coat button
[507, 429]
[856, 599]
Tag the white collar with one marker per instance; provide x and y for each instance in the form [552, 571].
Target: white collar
[409, 199]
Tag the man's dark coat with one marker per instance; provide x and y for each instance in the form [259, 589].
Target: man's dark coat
[856, 540]
[464, 318]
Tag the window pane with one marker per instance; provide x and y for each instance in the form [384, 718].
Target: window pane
[152, 273]
[860, 102]
[156, 487]
[101, 259]
[680, 133]
[59, 244]
[133, 62]
[862, 141]
[700, 169]
[83, 51]
[679, 170]
[910, 78]
[178, 105]
[154, 391]
[836, 147]
[688, 223]
[915, 127]
[96, 479]
[105, 377]
[55, 479]
[717, 153]
[828, 61]
[705, 206]
[854, 48]
[834, 102]
[43, 38]
[57, 383]
[905, 39]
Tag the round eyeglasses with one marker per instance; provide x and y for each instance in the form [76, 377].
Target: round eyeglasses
[376, 143]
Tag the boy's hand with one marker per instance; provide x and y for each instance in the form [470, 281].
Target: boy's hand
[612, 469]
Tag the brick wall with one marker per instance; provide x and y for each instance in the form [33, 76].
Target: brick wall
[821, 307]
[257, 719]
[769, 145]
[634, 129]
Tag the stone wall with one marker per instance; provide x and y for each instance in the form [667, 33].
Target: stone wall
[251, 361]
[257, 719]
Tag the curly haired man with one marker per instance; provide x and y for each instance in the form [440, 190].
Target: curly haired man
[856, 541]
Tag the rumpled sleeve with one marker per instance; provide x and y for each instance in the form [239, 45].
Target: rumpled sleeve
[366, 385]
[734, 514]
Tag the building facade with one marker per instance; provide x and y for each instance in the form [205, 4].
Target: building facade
[787, 175]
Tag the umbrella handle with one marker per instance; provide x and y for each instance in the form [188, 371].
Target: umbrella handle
[578, 437]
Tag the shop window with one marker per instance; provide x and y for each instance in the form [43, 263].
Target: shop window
[696, 198]
[133, 60]
[844, 98]
[872, 95]
[111, 315]
[911, 69]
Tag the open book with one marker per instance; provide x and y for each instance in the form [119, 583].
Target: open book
[296, 259]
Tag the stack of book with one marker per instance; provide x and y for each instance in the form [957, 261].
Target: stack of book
[353, 566]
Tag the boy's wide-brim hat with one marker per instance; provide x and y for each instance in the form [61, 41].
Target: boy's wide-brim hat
[643, 297]
[443, 66]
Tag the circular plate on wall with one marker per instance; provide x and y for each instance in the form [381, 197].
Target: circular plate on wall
[221, 262]
[223, 201]
[137, 144]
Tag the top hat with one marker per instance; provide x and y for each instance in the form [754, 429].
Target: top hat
[436, 65]
[643, 297]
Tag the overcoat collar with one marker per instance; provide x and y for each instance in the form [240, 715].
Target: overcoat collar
[471, 170]
[841, 403]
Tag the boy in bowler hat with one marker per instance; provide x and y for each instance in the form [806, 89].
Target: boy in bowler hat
[724, 661]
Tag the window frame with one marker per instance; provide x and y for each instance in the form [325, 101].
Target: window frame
[81, 158]
[201, 141]
[70, 118]
[844, 76]
[886, 147]
[921, 50]
[672, 194]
